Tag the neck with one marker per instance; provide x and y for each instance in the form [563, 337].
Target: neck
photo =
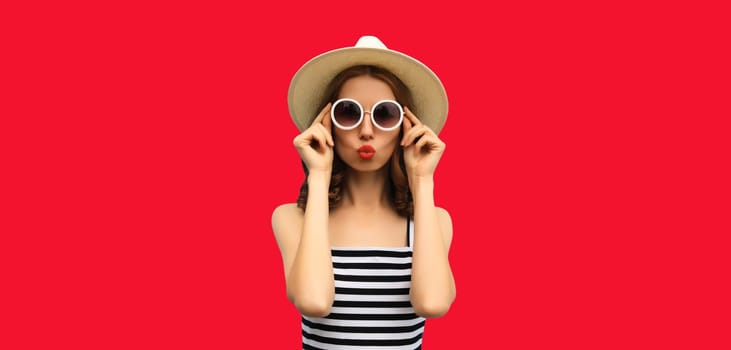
[366, 190]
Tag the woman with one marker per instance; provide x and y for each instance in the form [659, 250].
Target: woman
[365, 250]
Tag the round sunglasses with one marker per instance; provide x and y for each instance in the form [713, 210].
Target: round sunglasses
[347, 114]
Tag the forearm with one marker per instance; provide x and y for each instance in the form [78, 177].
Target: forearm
[311, 283]
[432, 284]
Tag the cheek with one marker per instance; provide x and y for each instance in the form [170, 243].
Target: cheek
[337, 135]
[392, 144]
[339, 149]
[341, 142]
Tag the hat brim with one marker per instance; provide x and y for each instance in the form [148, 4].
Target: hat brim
[307, 88]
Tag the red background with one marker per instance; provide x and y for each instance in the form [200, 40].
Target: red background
[144, 147]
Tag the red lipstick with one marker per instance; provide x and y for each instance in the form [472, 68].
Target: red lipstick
[366, 152]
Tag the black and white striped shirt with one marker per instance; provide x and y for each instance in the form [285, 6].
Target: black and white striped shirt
[371, 308]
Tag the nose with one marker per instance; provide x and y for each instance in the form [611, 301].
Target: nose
[365, 130]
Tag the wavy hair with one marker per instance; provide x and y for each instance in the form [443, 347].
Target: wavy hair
[398, 186]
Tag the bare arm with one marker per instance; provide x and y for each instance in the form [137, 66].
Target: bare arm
[305, 247]
[432, 284]
[303, 237]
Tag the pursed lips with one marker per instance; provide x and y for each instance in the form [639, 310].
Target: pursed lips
[366, 152]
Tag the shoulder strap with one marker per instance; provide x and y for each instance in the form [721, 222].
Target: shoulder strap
[409, 232]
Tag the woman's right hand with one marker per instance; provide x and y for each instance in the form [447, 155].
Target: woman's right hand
[315, 145]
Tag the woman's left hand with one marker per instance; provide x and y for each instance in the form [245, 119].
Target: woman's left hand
[422, 147]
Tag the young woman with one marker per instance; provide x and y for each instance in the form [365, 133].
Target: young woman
[365, 249]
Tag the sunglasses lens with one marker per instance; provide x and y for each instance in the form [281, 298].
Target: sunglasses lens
[346, 113]
[387, 114]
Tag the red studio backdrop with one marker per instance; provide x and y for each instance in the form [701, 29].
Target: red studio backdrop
[145, 145]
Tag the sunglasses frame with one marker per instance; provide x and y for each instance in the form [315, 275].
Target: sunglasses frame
[362, 112]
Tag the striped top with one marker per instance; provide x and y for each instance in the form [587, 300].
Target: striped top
[371, 308]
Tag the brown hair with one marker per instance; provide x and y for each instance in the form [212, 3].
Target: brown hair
[398, 186]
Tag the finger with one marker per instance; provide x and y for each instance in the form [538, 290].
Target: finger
[305, 138]
[297, 140]
[423, 141]
[319, 137]
[413, 134]
[427, 143]
[425, 131]
[326, 132]
[407, 128]
[412, 118]
[327, 125]
[326, 120]
[417, 147]
[322, 114]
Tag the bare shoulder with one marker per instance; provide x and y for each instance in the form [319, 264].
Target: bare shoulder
[285, 218]
[286, 211]
[445, 224]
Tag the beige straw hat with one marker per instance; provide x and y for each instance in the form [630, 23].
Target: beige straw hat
[307, 89]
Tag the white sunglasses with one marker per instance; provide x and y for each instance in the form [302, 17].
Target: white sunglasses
[347, 114]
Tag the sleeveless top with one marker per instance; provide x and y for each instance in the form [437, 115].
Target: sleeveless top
[372, 309]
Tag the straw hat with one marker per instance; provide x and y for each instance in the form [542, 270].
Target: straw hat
[307, 89]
